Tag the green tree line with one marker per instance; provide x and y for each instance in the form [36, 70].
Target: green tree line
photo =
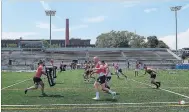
[119, 39]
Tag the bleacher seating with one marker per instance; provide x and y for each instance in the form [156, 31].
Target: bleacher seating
[152, 57]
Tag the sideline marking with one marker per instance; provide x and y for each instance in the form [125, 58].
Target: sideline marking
[117, 107]
[93, 104]
[161, 89]
[15, 84]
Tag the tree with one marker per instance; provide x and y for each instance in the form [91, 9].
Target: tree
[46, 44]
[161, 44]
[152, 42]
[118, 39]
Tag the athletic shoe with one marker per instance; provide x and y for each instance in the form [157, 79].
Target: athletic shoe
[114, 95]
[96, 98]
[44, 94]
[25, 91]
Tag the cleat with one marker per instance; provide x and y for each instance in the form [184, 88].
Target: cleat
[96, 98]
[114, 95]
[44, 94]
[26, 91]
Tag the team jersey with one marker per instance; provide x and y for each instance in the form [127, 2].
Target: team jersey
[116, 66]
[137, 66]
[52, 62]
[39, 71]
[98, 71]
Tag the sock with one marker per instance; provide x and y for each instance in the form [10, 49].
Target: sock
[97, 94]
[110, 91]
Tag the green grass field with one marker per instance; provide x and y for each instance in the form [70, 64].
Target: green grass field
[72, 94]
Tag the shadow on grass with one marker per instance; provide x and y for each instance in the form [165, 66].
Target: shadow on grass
[108, 99]
[59, 83]
[55, 96]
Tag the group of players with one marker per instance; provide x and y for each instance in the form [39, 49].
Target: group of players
[97, 67]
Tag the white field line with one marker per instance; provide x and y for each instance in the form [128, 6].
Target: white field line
[161, 89]
[15, 84]
[94, 104]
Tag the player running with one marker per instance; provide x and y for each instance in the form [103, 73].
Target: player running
[108, 74]
[118, 70]
[101, 71]
[37, 79]
[152, 74]
[137, 68]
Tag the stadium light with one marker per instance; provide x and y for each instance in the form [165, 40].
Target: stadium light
[50, 13]
[176, 8]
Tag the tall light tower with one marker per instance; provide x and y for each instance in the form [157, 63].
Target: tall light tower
[176, 8]
[50, 13]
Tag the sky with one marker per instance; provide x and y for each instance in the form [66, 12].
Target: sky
[90, 18]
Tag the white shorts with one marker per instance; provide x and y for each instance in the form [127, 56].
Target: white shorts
[136, 70]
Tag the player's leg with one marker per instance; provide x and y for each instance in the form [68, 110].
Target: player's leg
[102, 82]
[96, 89]
[117, 73]
[108, 78]
[36, 84]
[42, 87]
[153, 80]
[120, 71]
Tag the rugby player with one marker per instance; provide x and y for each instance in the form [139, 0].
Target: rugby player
[152, 74]
[61, 66]
[88, 71]
[37, 79]
[101, 71]
[108, 74]
[118, 70]
[137, 69]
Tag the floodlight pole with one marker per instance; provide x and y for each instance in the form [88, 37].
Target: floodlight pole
[176, 8]
[50, 13]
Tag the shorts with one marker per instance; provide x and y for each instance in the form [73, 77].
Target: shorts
[120, 70]
[101, 79]
[108, 78]
[136, 70]
[36, 80]
[153, 76]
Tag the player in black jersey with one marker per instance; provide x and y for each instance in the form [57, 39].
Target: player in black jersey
[152, 74]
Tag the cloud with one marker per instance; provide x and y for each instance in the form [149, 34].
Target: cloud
[17, 35]
[129, 3]
[183, 40]
[45, 5]
[150, 10]
[97, 19]
[185, 7]
[45, 25]
[78, 27]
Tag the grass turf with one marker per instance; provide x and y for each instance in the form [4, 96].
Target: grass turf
[71, 89]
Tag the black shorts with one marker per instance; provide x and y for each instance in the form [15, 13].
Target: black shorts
[36, 80]
[101, 79]
[120, 70]
[108, 78]
[153, 76]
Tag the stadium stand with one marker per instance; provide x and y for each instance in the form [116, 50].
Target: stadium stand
[156, 57]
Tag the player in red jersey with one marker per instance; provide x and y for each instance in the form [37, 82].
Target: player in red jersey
[37, 79]
[101, 71]
[52, 62]
[118, 70]
[137, 67]
[108, 74]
